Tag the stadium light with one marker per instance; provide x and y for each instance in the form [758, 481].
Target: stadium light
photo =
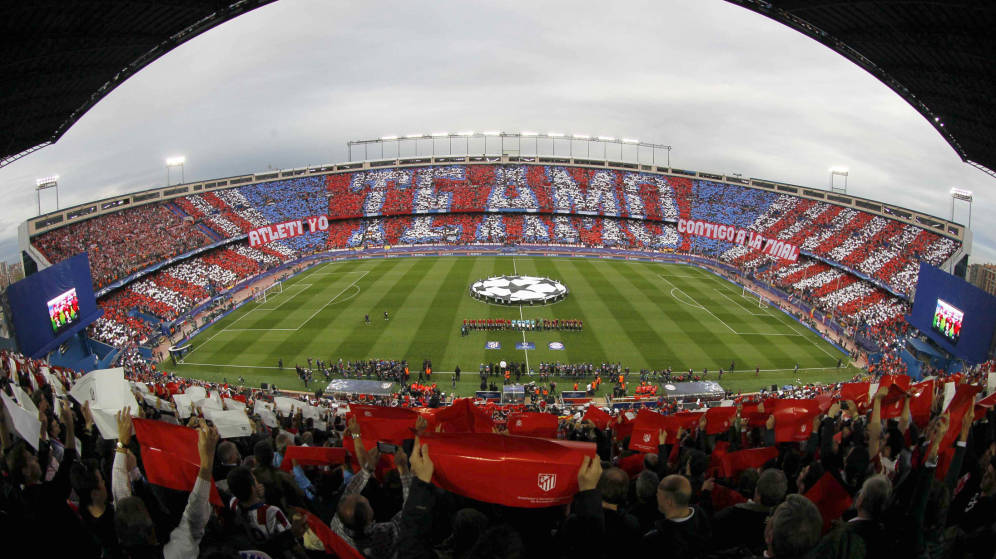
[388, 138]
[440, 134]
[528, 133]
[43, 184]
[492, 132]
[47, 182]
[606, 138]
[581, 136]
[175, 161]
[465, 133]
[630, 141]
[964, 196]
[413, 136]
[555, 134]
[960, 194]
[838, 186]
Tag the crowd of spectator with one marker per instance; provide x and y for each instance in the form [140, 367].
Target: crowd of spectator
[804, 473]
[168, 293]
[121, 243]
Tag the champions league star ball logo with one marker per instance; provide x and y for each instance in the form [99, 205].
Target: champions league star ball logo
[546, 482]
[518, 290]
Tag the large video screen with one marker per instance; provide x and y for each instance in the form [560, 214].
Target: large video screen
[64, 311]
[947, 320]
[48, 307]
[959, 317]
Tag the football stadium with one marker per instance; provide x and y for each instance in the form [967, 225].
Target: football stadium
[499, 343]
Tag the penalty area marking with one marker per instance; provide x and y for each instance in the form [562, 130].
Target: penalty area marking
[685, 298]
[747, 310]
[697, 305]
[305, 285]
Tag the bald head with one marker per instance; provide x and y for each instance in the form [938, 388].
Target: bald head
[355, 512]
[673, 495]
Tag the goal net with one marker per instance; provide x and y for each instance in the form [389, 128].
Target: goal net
[753, 296]
[269, 291]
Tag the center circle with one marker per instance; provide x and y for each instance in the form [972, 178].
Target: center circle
[518, 290]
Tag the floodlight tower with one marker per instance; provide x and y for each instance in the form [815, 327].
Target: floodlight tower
[841, 185]
[964, 196]
[175, 161]
[44, 184]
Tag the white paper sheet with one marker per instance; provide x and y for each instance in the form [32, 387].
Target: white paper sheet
[25, 424]
[196, 393]
[230, 423]
[24, 399]
[949, 392]
[183, 405]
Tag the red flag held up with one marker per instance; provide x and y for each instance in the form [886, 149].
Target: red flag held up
[170, 455]
[597, 416]
[794, 419]
[312, 456]
[533, 424]
[735, 462]
[719, 419]
[507, 470]
[381, 423]
[830, 497]
[334, 545]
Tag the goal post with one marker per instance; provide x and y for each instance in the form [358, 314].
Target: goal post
[752, 296]
[269, 291]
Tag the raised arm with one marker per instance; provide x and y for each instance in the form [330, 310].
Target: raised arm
[185, 539]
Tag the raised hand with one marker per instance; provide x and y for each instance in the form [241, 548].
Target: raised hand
[422, 465]
[207, 441]
[124, 425]
[589, 473]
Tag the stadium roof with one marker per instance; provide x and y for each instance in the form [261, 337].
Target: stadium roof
[60, 57]
[939, 56]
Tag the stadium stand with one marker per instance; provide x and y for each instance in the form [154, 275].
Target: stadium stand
[855, 266]
[123, 242]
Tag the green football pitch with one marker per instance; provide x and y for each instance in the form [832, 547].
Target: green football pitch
[641, 315]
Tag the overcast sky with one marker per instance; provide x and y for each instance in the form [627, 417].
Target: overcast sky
[288, 84]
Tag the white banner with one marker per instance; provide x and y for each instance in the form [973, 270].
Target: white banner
[287, 230]
[736, 235]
